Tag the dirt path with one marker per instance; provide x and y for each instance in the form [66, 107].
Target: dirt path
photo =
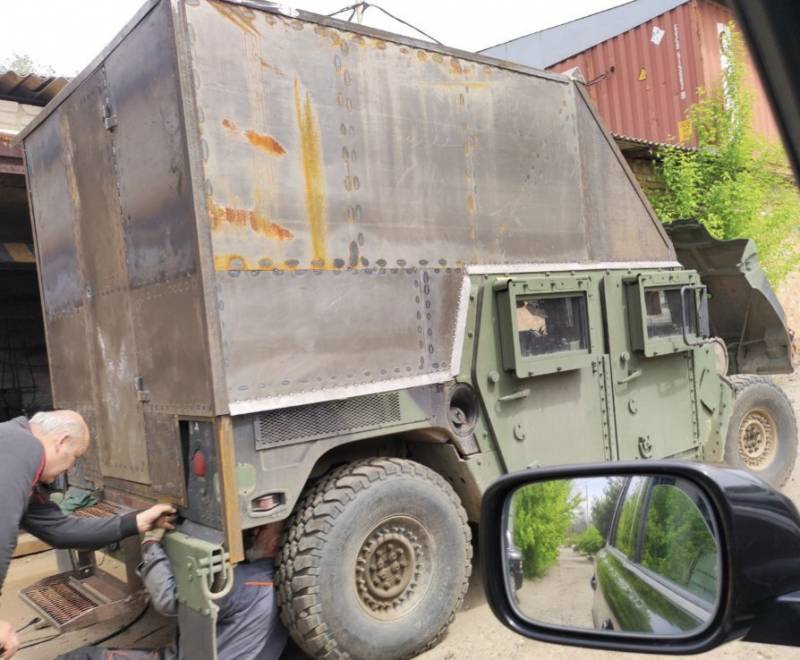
[563, 595]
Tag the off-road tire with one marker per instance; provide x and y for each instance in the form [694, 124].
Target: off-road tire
[328, 574]
[762, 432]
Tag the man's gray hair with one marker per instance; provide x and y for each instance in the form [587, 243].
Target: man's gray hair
[59, 422]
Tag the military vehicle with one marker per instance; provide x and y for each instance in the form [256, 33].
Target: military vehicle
[295, 269]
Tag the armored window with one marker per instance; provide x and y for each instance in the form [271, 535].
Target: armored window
[547, 325]
[664, 313]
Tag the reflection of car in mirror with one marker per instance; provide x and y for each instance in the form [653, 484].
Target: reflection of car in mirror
[659, 572]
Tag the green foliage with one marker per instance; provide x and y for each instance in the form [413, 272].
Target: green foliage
[590, 542]
[542, 515]
[736, 183]
[629, 516]
[603, 507]
[25, 65]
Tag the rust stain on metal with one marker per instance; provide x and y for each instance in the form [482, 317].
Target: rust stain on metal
[265, 143]
[237, 16]
[311, 153]
[269, 67]
[455, 66]
[422, 55]
[222, 216]
[471, 203]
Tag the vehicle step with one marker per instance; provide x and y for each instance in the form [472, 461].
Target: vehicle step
[68, 602]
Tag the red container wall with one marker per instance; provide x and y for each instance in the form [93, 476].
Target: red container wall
[644, 80]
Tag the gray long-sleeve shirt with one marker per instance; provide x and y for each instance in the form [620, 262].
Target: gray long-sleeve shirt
[26, 504]
[248, 627]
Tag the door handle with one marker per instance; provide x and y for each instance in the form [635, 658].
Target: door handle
[630, 377]
[517, 395]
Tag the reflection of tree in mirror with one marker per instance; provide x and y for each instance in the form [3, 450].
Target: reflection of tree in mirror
[627, 527]
[678, 544]
[542, 514]
[603, 506]
[590, 542]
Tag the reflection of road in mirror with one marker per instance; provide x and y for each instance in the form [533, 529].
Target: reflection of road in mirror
[563, 595]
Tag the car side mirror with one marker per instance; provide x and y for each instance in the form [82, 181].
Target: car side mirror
[655, 556]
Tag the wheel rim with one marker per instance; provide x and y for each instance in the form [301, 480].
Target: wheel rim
[758, 439]
[393, 567]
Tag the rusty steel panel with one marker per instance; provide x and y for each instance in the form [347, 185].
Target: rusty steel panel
[111, 344]
[372, 156]
[295, 202]
[644, 80]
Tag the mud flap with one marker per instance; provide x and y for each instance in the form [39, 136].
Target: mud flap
[744, 310]
[203, 575]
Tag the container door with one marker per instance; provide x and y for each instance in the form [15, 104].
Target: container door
[541, 370]
[652, 323]
[98, 232]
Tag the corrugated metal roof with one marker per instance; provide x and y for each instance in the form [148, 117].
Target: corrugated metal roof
[31, 89]
[547, 47]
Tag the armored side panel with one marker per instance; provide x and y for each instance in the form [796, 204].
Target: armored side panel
[238, 210]
[350, 179]
[116, 241]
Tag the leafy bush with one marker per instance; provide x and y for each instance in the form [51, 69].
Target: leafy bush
[591, 541]
[736, 183]
[542, 514]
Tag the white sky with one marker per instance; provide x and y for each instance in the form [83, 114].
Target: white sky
[67, 34]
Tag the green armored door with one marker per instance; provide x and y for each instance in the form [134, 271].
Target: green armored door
[651, 357]
[540, 368]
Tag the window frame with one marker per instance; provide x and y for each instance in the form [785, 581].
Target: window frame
[510, 290]
[637, 312]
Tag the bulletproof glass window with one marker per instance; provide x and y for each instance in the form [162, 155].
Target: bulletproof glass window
[628, 516]
[664, 315]
[678, 542]
[547, 325]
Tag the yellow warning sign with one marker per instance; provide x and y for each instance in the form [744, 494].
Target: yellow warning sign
[642, 74]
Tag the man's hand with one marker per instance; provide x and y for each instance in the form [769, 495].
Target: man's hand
[159, 516]
[8, 640]
[155, 535]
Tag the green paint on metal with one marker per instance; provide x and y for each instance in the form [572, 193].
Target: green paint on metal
[246, 478]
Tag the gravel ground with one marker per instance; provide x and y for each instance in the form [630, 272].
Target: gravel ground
[475, 633]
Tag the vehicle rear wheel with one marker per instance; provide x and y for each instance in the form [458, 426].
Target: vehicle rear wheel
[375, 561]
[762, 433]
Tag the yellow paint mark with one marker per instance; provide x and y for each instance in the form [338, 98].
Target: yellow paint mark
[422, 55]
[237, 16]
[265, 143]
[455, 66]
[642, 74]
[471, 203]
[313, 173]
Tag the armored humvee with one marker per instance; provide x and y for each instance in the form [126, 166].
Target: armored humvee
[294, 269]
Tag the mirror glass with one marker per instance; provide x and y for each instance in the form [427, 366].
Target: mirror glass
[633, 554]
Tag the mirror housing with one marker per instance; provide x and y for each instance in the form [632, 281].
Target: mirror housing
[759, 535]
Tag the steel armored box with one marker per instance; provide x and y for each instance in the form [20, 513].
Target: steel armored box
[239, 208]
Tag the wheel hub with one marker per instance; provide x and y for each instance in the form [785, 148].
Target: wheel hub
[757, 439]
[392, 567]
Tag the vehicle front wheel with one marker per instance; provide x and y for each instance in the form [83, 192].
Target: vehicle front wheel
[762, 432]
[375, 561]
